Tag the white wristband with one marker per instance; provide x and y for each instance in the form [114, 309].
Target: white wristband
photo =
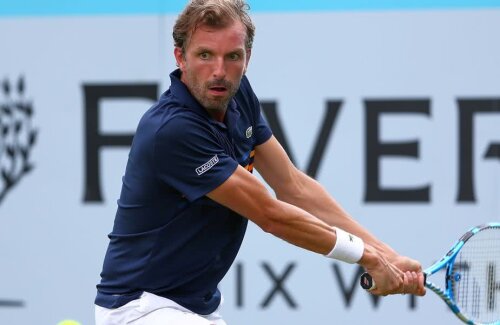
[348, 248]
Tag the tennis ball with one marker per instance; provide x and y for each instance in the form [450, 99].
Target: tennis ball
[68, 322]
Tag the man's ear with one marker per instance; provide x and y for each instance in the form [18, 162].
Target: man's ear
[179, 57]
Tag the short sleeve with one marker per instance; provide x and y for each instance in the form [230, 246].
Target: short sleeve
[189, 158]
[262, 130]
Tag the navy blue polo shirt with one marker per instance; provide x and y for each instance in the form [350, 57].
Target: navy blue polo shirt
[168, 237]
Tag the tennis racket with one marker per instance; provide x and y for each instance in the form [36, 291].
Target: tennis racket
[472, 281]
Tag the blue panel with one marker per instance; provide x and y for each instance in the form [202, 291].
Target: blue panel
[88, 7]
[361, 5]
[95, 7]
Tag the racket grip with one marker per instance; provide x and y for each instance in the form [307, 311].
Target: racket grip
[367, 282]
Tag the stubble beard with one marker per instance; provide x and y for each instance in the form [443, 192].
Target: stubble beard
[215, 104]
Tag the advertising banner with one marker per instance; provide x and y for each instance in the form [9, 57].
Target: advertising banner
[395, 110]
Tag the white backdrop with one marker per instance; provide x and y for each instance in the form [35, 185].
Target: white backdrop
[52, 242]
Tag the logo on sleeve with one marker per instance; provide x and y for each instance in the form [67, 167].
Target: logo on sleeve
[207, 166]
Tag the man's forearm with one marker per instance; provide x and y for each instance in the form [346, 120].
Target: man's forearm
[310, 196]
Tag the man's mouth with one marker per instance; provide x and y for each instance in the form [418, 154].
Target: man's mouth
[218, 87]
[218, 90]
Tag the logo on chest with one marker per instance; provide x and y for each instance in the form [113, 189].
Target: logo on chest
[249, 132]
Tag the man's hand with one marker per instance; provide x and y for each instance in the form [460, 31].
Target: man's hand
[406, 264]
[389, 277]
[413, 268]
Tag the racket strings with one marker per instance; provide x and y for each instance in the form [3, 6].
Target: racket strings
[475, 277]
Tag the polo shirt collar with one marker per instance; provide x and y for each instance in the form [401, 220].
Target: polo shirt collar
[179, 90]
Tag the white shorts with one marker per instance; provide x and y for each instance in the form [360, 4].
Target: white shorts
[151, 309]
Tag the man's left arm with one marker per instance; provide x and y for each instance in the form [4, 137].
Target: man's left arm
[296, 188]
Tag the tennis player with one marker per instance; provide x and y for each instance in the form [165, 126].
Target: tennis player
[188, 190]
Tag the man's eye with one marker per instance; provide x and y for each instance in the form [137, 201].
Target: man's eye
[234, 56]
[204, 56]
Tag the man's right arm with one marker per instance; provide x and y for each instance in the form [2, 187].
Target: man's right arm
[245, 194]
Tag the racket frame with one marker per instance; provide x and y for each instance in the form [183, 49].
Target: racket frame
[447, 262]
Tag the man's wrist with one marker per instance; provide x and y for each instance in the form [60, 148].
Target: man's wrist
[371, 257]
[348, 247]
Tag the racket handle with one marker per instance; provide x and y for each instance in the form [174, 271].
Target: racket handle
[368, 283]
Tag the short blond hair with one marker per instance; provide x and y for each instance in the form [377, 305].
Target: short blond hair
[213, 13]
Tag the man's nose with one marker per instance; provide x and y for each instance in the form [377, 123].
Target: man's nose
[219, 71]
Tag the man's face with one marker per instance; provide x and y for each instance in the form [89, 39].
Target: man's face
[213, 65]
